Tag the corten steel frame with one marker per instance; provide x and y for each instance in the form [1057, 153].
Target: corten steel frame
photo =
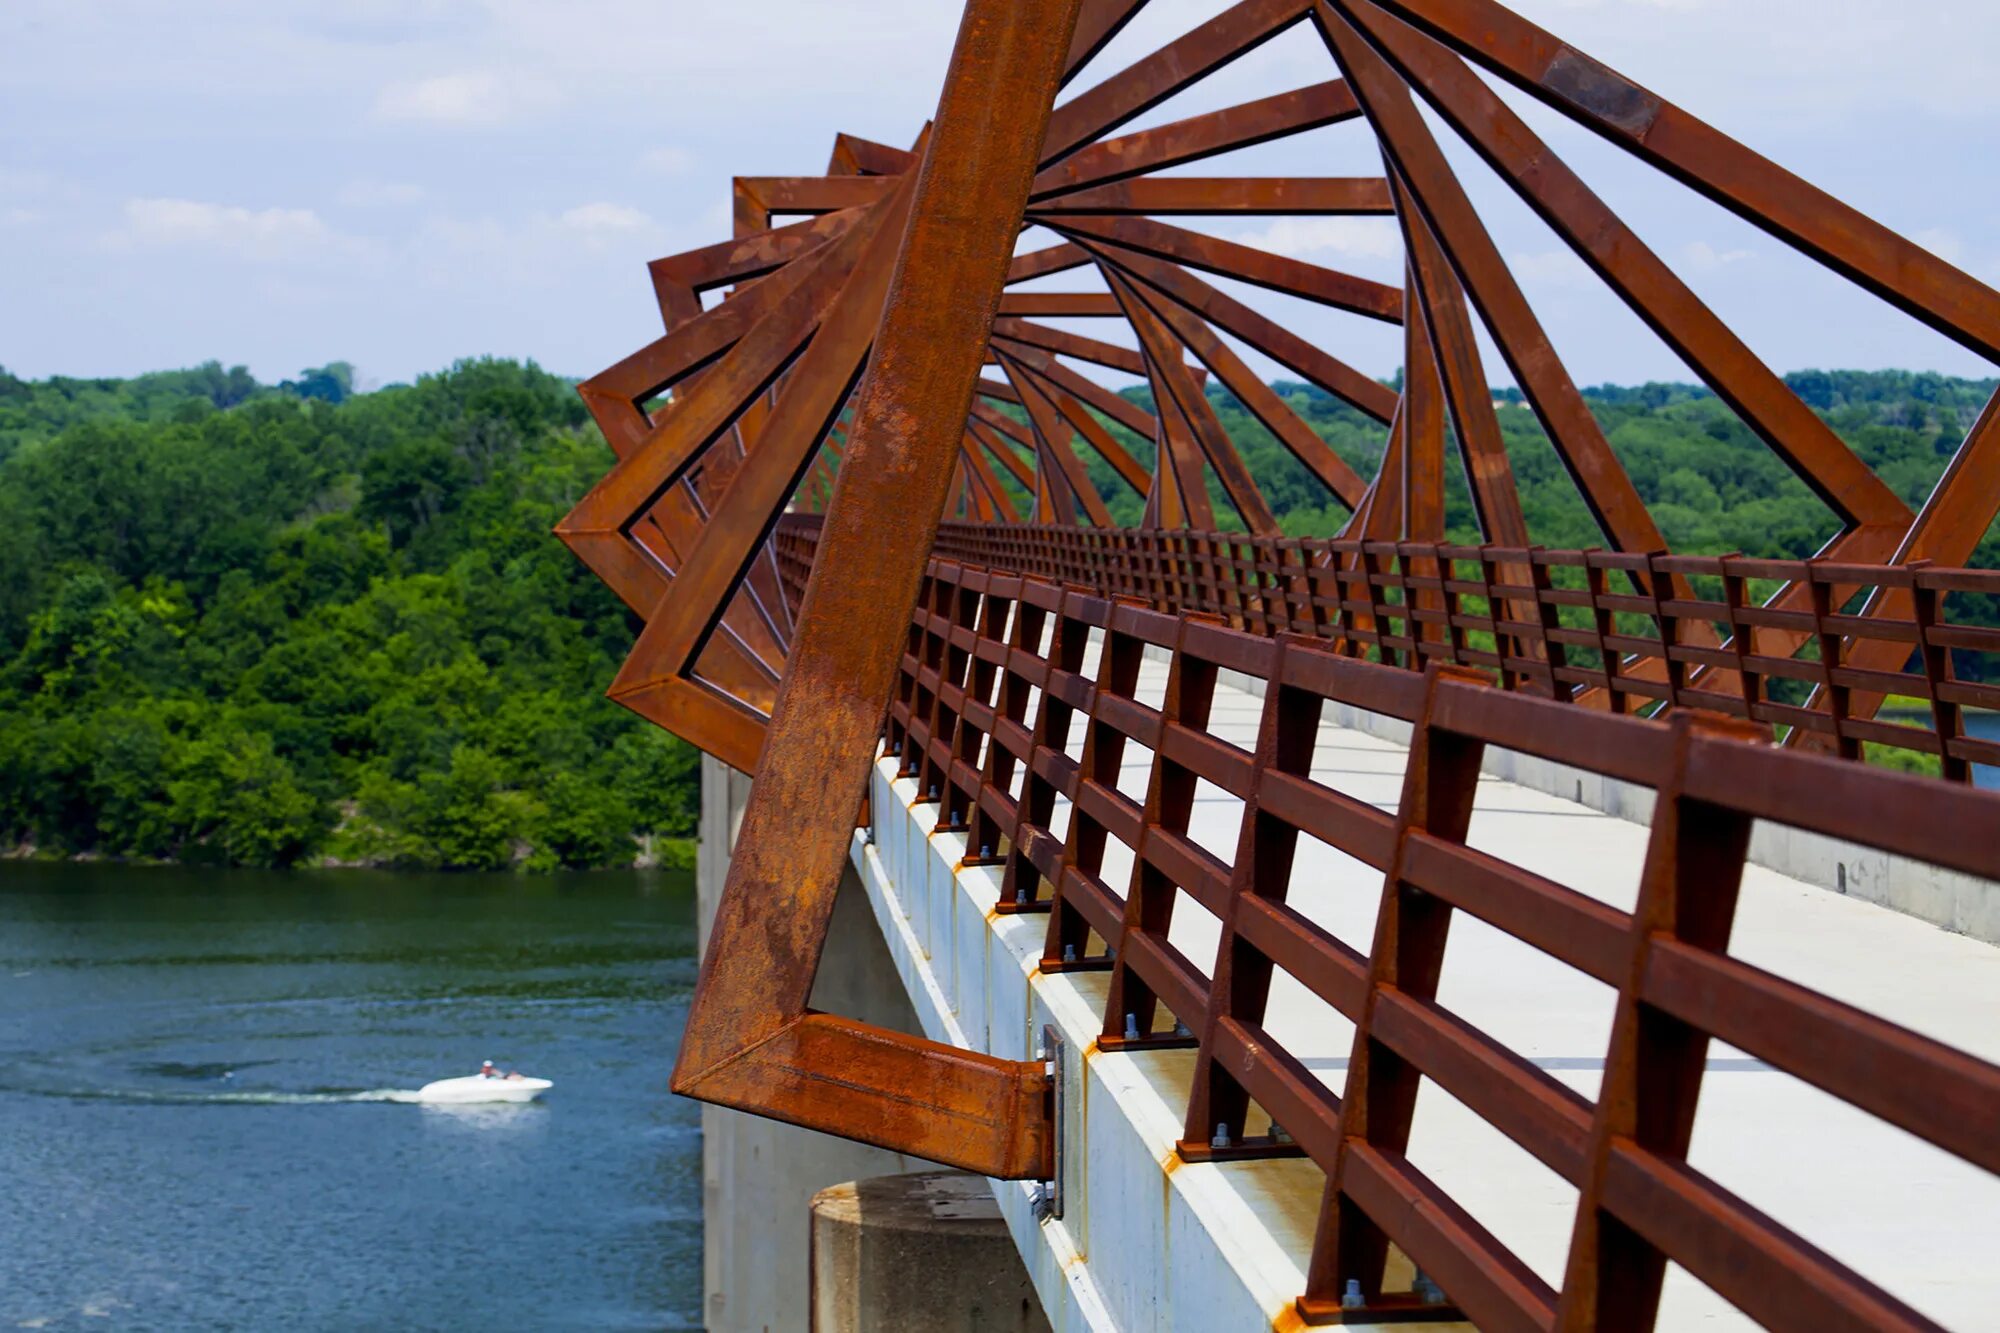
[841, 371]
[1412, 603]
[1017, 691]
[776, 361]
[752, 1039]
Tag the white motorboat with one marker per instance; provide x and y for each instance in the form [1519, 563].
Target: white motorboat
[484, 1088]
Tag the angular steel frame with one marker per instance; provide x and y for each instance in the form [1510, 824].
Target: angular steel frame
[753, 1041]
[983, 641]
[838, 369]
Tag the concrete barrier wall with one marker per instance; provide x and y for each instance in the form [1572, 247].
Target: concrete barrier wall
[1146, 1240]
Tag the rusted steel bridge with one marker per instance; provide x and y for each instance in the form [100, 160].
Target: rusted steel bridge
[788, 458]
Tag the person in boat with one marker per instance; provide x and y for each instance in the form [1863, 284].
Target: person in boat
[486, 1070]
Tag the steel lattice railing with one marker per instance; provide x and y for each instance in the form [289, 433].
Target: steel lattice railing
[840, 362]
[1576, 626]
[1018, 693]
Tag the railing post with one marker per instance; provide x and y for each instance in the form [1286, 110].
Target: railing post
[1411, 926]
[1936, 661]
[1652, 1075]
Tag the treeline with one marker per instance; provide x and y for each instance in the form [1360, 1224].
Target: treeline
[268, 625]
[1710, 484]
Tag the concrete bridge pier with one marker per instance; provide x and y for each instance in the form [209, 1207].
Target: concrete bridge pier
[760, 1178]
[926, 1252]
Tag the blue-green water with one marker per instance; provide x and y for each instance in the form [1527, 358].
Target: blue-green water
[1986, 726]
[200, 1120]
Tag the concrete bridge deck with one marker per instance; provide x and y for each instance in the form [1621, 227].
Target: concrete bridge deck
[1149, 1241]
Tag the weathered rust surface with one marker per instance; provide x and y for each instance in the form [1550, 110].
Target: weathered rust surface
[693, 415]
[688, 414]
[752, 1041]
[1494, 609]
[994, 678]
[827, 360]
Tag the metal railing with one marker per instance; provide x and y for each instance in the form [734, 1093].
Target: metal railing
[1814, 648]
[1000, 669]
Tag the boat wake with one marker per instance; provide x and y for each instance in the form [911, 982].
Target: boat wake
[323, 1097]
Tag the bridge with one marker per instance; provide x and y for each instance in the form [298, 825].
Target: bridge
[1381, 929]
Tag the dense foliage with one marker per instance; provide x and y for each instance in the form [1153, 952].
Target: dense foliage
[1710, 484]
[263, 625]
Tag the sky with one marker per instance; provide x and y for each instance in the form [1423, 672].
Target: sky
[399, 184]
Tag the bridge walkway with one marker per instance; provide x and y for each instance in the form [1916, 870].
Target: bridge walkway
[1150, 1241]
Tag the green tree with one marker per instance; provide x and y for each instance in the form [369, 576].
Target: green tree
[262, 625]
[239, 802]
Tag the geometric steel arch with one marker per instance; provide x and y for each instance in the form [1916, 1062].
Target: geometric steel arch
[768, 373]
[844, 366]
[752, 1040]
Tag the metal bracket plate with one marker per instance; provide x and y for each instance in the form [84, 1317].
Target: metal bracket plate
[1048, 1195]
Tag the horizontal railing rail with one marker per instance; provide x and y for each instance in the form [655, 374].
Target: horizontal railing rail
[1815, 649]
[1002, 666]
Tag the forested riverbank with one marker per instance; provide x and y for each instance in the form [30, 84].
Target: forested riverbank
[268, 626]
[295, 624]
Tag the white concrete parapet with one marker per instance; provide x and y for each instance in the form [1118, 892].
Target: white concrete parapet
[1148, 1241]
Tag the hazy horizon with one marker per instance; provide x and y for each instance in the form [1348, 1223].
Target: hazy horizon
[363, 383]
[410, 183]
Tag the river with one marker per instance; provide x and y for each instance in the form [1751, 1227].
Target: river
[204, 1114]
[203, 1099]
[1986, 726]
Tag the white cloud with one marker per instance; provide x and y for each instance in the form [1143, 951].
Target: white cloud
[262, 234]
[1750, 66]
[1614, 4]
[1549, 268]
[470, 98]
[18, 217]
[23, 183]
[668, 161]
[605, 217]
[1943, 243]
[538, 250]
[1705, 258]
[379, 194]
[1848, 93]
[1354, 238]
